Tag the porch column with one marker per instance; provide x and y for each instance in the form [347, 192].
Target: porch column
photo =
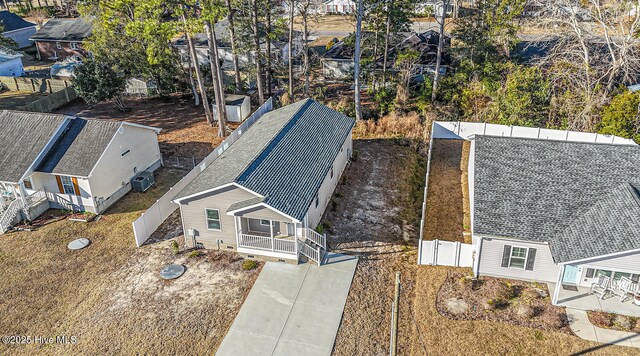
[238, 224]
[556, 292]
[23, 193]
[271, 230]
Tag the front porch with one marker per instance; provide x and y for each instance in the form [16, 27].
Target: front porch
[278, 239]
[579, 298]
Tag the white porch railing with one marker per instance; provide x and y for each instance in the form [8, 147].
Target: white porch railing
[10, 214]
[36, 197]
[312, 253]
[320, 240]
[267, 243]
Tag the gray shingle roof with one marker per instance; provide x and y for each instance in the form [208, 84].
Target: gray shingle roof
[534, 189]
[23, 136]
[245, 203]
[64, 30]
[611, 224]
[284, 156]
[78, 149]
[11, 22]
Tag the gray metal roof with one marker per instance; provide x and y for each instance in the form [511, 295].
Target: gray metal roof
[64, 30]
[284, 156]
[11, 22]
[23, 136]
[78, 149]
[535, 189]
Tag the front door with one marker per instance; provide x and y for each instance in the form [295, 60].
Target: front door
[571, 275]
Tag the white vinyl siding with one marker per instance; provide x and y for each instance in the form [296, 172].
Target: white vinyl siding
[491, 256]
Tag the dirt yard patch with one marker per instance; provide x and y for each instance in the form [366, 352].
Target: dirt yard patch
[447, 214]
[185, 132]
[501, 300]
[109, 295]
[375, 215]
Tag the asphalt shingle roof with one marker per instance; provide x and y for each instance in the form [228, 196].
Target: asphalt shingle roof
[64, 30]
[284, 156]
[535, 189]
[23, 137]
[78, 149]
[11, 22]
[611, 224]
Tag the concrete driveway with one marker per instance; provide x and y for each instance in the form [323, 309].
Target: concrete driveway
[292, 310]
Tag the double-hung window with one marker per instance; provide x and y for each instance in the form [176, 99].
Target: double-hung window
[67, 185]
[213, 219]
[518, 257]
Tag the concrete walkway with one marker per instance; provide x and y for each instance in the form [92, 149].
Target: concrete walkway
[582, 327]
[292, 310]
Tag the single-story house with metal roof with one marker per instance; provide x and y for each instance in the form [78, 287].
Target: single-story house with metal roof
[267, 192]
[557, 207]
[62, 38]
[10, 63]
[16, 28]
[69, 162]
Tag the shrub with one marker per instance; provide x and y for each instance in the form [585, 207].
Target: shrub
[248, 265]
[538, 335]
[320, 229]
[174, 247]
[194, 254]
[354, 157]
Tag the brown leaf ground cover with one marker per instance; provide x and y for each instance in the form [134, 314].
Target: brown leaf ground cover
[447, 213]
[109, 295]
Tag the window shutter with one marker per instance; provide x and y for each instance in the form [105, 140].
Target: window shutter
[590, 272]
[60, 188]
[506, 254]
[76, 188]
[531, 258]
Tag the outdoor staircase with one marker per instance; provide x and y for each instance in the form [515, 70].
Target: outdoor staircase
[18, 207]
[314, 246]
[10, 214]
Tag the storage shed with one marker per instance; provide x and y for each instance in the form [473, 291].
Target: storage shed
[238, 107]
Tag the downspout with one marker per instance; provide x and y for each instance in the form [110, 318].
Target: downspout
[476, 264]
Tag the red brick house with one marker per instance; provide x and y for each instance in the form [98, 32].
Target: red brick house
[62, 38]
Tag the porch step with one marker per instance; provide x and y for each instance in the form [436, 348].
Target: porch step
[312, 252]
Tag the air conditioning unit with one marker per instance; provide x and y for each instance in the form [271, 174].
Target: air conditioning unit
[142, 181]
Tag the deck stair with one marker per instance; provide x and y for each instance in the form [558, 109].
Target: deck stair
[314, 246]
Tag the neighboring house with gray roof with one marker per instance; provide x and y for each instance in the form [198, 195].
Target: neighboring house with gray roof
[79, 164]
[266, 193]
[553, 206]
[16, 28]
[59, 39]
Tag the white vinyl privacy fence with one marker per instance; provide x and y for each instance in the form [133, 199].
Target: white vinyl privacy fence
[465, 130]
[445, 253]
[151, 219]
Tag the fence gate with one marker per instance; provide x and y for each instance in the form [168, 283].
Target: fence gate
[446, 253]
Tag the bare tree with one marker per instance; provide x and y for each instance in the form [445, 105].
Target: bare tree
[304, 7]
[595, 50]
[436, 75]
[386, 41]
[215, 76]
[292, 5]
[269, 45]
[356, 60]
[256, 35]
[194, 58]
[234, 45]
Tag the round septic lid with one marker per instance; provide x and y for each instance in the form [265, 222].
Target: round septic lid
[78, 244]
[172, 271]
